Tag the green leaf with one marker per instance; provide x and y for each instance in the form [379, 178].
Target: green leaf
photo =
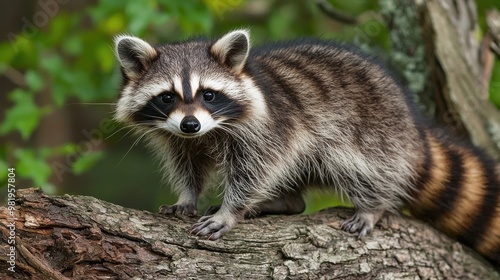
[113, 24]
[59, 74]
[7, 52]
[73, 45]
[60, 28]
[140, 14]
[197, 18]
[48, 188]
[3, 170]
[26, 52]
[494, 89]
[105, 57]
[59, 93]
[24, 116]
[317, 200]
[34, 80]
[85, 162]
[65, 149]
[32, 166]
[53, 64]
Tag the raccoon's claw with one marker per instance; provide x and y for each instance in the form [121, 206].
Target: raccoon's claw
[214, 226]
[362, 222]
[355, 224]
[178, 209]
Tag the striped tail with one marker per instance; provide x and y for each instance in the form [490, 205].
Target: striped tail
[458, 191]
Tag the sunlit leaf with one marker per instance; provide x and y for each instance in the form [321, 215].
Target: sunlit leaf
[34, 80]
[495, 84]
[32, 166]
[73, 45]
[24, 116]
[66, 149]
[59, 93]
[3, 170]
[105, 56]
[53, 64]
[85, 162]
[113, 24]
[6, 52]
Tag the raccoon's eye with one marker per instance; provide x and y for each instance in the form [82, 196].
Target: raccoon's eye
[208, 95]
[167, 97]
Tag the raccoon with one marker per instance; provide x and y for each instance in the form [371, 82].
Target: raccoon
[273, 121]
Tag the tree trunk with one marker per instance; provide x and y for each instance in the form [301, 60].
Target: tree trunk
[458, 65]
[78, 237]
[461, 68]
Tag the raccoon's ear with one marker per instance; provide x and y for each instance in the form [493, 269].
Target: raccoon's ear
[134, 54]
[232, 49]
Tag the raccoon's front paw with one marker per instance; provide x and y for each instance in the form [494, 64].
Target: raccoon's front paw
[214, 225]
[178, 209]
[362, 222]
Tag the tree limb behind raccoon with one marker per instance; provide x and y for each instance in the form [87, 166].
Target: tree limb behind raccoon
[333, 13]
[453, 53]
[85, 238]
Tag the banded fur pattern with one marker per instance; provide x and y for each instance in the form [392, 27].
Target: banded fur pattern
[458, 192]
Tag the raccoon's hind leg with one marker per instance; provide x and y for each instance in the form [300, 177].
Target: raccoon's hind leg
[362, 221]
[288, 203]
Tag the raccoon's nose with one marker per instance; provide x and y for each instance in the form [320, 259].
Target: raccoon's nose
[190, 125]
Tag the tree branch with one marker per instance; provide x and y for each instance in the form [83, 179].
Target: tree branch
[333, 13]
[453, 52]
[86, 238]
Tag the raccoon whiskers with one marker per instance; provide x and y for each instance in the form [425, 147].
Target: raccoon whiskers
[130, 127]
[227, 110]
[122, 128]
[137, 141]
[220, 110]
[155, 117]
[158, 109]
[93, 103]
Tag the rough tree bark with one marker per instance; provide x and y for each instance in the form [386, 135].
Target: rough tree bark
[78, 237]
[461, 68]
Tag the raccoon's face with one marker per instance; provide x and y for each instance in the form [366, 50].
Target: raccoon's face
[189, 88]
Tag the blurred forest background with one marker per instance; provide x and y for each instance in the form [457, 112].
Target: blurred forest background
[59, 80]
